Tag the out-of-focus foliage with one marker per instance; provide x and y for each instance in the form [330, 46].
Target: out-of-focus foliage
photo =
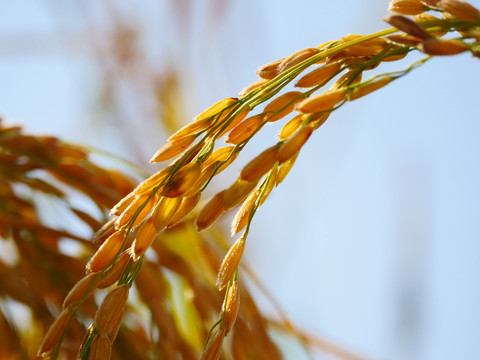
[176, 301]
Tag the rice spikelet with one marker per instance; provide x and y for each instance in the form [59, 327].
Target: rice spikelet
[270, 70]
[285, 169]
[220, 154]
[369, 87]
[236, 193]
[182, 181]
[296, 58]
[192, 129]
[252, 87]
[241, 219]
[113, 275]
[144, 237]
[291, 126]
[259, 166]
[216, 108]
[230, 263]
[235, 121]
[186, 206]
[293, 144]
[164, 211]
[173, 148]
[214, 346]
[80, 289]
[319, 76]
[460, 9]
[109, 315]
[231, 306]
[268, 187]
[441, 47]
[322, 102]
[100, 348]
[282, 105]
[106, 252]
[210, 212]
[55, 332]
[205, 175]
[245, 129]
[407, 25]
[407, 7]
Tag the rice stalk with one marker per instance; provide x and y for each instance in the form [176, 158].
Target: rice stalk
[146, 216]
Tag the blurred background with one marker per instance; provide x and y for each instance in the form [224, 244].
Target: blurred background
[372, 242]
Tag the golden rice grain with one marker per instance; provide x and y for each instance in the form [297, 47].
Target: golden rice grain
[234, 122]
[252, 87]
[318, 120]
[153, 181]
[243, 215]
[55, 332]
[328, 44]
[338, 56]
[229, 161]
[105, 231]
[351, 77]
[245, 129]
[106, 252]
[144, 209]
[395, 57]
[296, 58]
[319, 76]
[236, 193]
[322, 102]
[407, 7]
[364, 49]
[109, 315]
[112, 275]
[164, 211]
[100, 348]
[439, 47]
[139, 209]
[282, 105]
[182, 181]
[369, 87]
[216, 108]
[121, 206]
[205, 175]
[192, 129]
[257, 167]
[270, 70]
[144, 237]
[404, 39]
[285, 169]
[210, 212]
[173, 148]
[428, 17]
[220, 154]
[291, 126]
[214, 346]
[268, 187]
[83, 287]
[230, 263]
[407, 25]
[231, 306]
[187, 205]
[290, 147]
[127, 215]
[460, 9]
